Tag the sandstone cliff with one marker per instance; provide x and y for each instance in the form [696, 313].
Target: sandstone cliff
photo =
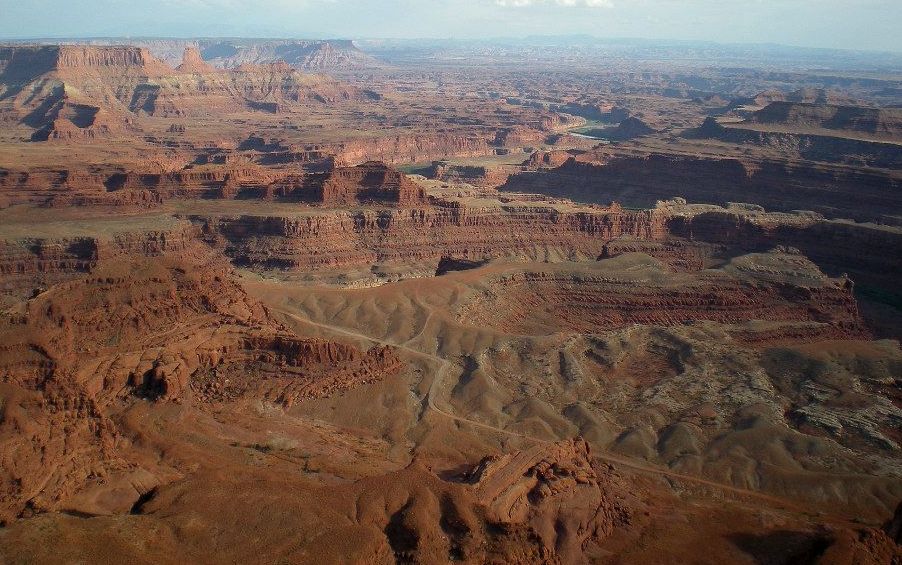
[335, 239]
[368, 183]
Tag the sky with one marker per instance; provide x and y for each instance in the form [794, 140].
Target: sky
[846, 24]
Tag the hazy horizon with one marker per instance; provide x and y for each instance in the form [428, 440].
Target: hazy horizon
[869, 25]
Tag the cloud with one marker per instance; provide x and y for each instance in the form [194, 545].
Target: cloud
[568, 3]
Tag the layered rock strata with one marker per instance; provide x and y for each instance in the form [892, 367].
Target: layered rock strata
[337, 239]
[780, 287]
[368, 183]
[820, 146]
[836, 246]
[835, 191]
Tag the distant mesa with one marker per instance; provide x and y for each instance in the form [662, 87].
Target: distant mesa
[854, 135]
[820, 96]
[306, 55]
[800, 96]
[79, 92]
[878, 121]
[23, 63]
[768, 96]
[630, 128]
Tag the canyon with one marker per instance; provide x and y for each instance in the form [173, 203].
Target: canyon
[447, 302]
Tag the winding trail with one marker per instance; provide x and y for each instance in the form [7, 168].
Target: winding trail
[445, 366]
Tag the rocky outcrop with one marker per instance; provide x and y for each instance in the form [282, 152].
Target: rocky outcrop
[865, 251]
[371, 182]
[518, 136]
[65, 120]
[268, 88]
[72, 57]
[193, 62]
[678, 254]
[629, 128]
[482, 176]
[557, 491]
[394, 149]
[547, 159]
[820, 96]
[546, 504]
[34, 263]
[411, 148]
[601, 111]
[779, 286]
[68, 188]
[166, 330]
[865, 545]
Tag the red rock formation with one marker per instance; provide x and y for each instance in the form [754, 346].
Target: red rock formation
[547, 159]
[629, 128]
[546, 504]
[678, 254]
[369, 183]
[123, 80]
[864, 546]
[29, 61]
[836, 246]
[482, 176]
[518, 137]
[75, 57]
[391, 149]
[193, 62]
[36, 263]
[265, 88]
[835, 191]
[165, 330]
[774, 287]
[411, 148]
[335, 239]
[556, 491]
[69, 121]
